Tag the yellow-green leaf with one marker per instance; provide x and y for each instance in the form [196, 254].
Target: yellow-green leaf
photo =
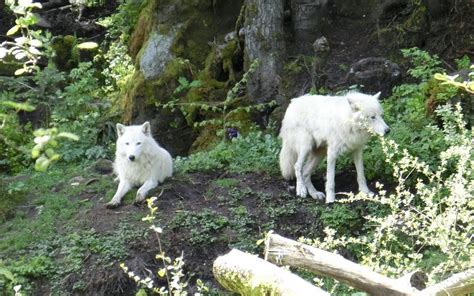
[20, 71]
[36, 43]
[88, 45]
[162, 272]
[42, 164]
[19, 106]
[35, 152]
[69, 136]
[13, 30]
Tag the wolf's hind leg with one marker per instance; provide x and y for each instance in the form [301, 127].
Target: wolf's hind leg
[301, 189]
[313, 160]
[143, 190]
[122, 189]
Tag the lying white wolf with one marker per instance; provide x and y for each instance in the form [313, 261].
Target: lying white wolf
[139, 161]
[316, 126]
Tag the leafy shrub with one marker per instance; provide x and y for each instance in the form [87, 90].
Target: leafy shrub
[82, 110]
[428, 225]
[122, 23]
[255, 152]
[406, 111]
[424, 64]
[171, 270]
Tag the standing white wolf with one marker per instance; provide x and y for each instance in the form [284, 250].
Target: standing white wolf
[139, 161]
[316, 126]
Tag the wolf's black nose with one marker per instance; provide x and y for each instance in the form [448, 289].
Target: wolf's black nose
[131, 157]
[387, 130]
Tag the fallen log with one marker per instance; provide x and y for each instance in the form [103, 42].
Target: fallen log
[249, 275]
[283, 251]
[459, 284]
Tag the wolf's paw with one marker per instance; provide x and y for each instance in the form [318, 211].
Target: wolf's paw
[112, 205]
[317, 194]
[330, 198]
[301, 190]
[139, 199]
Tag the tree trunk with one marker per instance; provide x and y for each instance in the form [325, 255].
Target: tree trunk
[249, 275]
[264, 41]
[284, 251]
[459, 284]
[306, 16]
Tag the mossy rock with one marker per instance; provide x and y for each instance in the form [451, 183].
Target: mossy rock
[65, 52]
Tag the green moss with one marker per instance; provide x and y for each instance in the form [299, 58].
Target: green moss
[417, 20]
[143, 28]
[66, 54]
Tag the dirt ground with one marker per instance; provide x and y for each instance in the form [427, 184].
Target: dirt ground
[203, 215]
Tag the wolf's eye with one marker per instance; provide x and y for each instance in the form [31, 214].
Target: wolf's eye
[127, 143]
[372, 117]
[139, 143]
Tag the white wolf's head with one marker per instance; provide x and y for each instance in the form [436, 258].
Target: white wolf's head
[368, 112]
[132, 140]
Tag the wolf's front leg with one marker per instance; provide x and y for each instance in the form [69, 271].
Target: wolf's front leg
[122, 189]
[330, 175]
[142, 191]
[359, 165]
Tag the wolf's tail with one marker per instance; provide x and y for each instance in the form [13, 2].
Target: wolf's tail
[287, 161]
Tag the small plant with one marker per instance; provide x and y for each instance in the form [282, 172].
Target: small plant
[26, 47]
[46, 141]
[463, 63]
[8, 280]
[254, 152]
[424, 65]
[204, 226]
[171, 270]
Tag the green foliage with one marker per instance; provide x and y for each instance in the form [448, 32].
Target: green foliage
[13, 154]
[25, 48]
[220, 115]
[227, 182]
[341, 218]
[463, 63]
[171, 270]
[36, 266]
[185, 85]
[119, 66]
[122, 23]
[46, 141]
[205, 226]
[424, 65]
[406, 112]
[427, 224]
[81, 108]
[119, 69]
[255, 152]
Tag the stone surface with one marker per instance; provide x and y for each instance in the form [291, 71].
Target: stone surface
[156, 54]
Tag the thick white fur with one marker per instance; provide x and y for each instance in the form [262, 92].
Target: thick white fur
[139, 161]
[316, 126]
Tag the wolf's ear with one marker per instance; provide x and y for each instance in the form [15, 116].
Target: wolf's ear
[120, 129]
[377, 95]
[354, 105]
[146, 128]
